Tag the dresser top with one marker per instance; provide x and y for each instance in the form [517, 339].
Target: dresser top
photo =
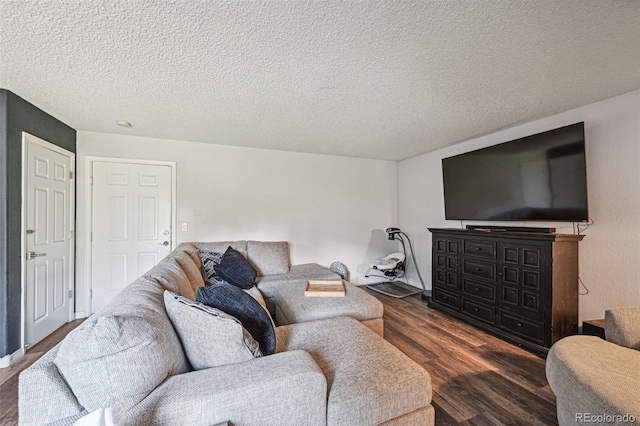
[508, 234]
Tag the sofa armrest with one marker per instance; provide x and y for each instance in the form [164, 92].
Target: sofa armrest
[593, 376]
[282, 389]
[44, 396]
[622, 326]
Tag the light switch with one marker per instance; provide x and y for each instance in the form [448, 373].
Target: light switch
[185, 227]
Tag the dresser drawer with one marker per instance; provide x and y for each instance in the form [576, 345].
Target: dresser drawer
[447, 299]
[479, 290]
[486, 249]
[478, 311]
[531, 330]
[479, 269]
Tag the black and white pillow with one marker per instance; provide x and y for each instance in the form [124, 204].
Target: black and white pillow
[209, 260]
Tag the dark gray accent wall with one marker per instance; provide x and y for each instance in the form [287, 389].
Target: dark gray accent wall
[17, 116]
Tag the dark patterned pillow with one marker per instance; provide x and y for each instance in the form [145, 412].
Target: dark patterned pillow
[235, 302]
[209, 260]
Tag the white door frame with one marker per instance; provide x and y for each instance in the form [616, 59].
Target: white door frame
[26, 139]
[88, 202]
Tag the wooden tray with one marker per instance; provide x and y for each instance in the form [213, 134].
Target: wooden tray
[324, 288]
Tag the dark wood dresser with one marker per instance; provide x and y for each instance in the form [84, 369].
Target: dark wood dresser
[522, 287]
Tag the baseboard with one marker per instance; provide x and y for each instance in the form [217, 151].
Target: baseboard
[80, 315]
[7, 360]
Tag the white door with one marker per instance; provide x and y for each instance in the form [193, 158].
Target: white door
[131, 224]
[48, 240]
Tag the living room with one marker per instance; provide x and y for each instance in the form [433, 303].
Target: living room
[336, 135]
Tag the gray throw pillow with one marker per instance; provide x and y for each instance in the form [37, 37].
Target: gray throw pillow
[209, 336]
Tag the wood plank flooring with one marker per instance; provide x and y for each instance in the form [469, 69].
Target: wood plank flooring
[477, 379]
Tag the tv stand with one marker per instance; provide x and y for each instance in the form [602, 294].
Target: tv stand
[525, 229]
[522, 287]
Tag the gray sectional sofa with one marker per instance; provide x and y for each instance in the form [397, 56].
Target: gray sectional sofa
[598, 381]
[329, 368]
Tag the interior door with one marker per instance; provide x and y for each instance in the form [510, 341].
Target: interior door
[131, 224]
[48, 240]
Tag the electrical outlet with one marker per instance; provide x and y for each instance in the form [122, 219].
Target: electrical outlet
[185, 227]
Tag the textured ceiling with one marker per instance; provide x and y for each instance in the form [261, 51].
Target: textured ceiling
[385, 79]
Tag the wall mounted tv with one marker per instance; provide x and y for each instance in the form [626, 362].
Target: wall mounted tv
[536, 178]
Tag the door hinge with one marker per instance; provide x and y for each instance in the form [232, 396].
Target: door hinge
[91, 180]
[91, 237]
[70, 294]
[70, 234]
[70, 175]
[90, 293]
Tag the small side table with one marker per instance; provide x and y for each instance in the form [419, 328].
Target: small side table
[594, 328]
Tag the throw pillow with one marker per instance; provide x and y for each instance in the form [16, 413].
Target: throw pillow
[235, 269]
[210, 260]
[238, 304]
[209, 336]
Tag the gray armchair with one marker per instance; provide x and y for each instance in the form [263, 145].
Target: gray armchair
[598, 381]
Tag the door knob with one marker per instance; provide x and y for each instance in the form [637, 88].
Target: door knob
[33, 254]
[165, 243]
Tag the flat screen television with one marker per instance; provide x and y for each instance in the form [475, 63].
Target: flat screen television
[536, 178]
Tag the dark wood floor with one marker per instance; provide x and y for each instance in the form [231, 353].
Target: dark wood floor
[477, 379]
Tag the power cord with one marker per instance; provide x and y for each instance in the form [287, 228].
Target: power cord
[413, 257]
[585, 288]
[588, 224]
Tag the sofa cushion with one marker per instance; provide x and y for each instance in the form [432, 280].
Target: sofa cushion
[235, 302]
[189, 267]
[209, 336]
[117, 358]
[235, 269]
[622, 326]
[370, 381]
[170, 275]
[269, 257]
[122, 352]
[192, 251]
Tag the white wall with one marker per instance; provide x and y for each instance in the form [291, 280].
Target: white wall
[610, 251]
[328, 208]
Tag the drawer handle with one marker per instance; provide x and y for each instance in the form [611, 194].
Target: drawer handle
[477, 249]
[519, 324]
[475, 309]
[476, 289]
[476, 269]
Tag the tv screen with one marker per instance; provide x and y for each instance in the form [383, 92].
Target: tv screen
[536, 178]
